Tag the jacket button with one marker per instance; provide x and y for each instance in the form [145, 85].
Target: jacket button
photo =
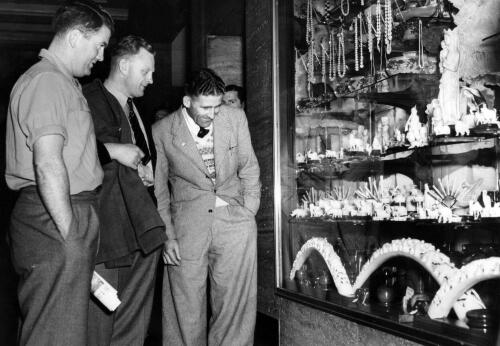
[210, 210]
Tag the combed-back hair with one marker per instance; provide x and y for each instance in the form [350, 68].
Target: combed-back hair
[204, 82]
[239, 91]
[85, 15]
[128, 45]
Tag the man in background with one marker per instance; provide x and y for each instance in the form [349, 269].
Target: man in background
[208, 190]
[51, 157]
[234, 96]
[132, 232]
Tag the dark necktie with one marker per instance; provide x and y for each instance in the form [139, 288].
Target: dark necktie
[203, 132]
[140, 141]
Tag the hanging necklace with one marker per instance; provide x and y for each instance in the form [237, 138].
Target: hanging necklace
[309, 22]
[345, 11]
[420, 45]
[332, 70]
[388, 26]
[378, 32]
[356, 45]
[323, 63]
[327, 11]
[341, 55]
[360, 40]
[310, 60]
[370, 34]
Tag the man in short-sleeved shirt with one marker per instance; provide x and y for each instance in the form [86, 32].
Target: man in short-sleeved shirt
[51, 158]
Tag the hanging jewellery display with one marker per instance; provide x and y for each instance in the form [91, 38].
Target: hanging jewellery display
[309, 22]
[345, 11]
[341, 55]
[356, 43]
[328, 8]
[360, 16]
[420, 46]
[378, 32]
[369, 24]
[310, 64]
[388, 26]
[323, 64]
[331, 45]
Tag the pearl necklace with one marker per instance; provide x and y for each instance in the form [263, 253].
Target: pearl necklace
[341, 55]
[420, 45]
[346, 11]
[309, 22]
[361, 65]
[323, 63]
[378, 32]
[356, 45]
[388, 26]
[332, 69]
[370, 33]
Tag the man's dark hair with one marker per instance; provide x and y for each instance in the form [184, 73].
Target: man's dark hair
[239, 90]
[85, 15]
[129, 45]
[204, 82]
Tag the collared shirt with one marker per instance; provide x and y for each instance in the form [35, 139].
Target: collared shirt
[193, 129]
[48, 100]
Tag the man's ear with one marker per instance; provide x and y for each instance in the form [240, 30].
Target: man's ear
[124, 65]
[186, 101]
[73, 36]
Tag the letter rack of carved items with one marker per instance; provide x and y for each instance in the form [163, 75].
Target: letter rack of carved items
[392, 188]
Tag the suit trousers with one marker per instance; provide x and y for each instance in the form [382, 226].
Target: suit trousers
[128, 324]
[229, 261]
[55, 273]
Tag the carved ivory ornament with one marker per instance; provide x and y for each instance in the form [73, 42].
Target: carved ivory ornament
[455, 284]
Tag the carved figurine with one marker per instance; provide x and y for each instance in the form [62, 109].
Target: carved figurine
[449, 86]
[438, 125]
[413, 129]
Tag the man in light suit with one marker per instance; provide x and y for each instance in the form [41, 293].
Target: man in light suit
[208, 190]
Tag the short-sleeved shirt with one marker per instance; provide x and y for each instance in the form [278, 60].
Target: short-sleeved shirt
[48, 100]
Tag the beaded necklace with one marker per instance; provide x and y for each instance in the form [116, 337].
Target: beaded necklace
[341, 55]
[388, 26]
[332, 69]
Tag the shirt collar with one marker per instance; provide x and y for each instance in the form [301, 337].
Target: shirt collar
[192, 125]
[120, 97]
[54, 60]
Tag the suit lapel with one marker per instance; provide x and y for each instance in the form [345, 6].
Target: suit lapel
[121, 118]
[184, 142]
[222, 136]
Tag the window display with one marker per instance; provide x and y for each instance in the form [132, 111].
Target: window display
[389, 181]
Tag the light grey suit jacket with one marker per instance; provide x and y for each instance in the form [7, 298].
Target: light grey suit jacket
[185, 193]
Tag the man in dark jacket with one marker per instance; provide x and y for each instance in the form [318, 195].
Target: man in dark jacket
[132, 232]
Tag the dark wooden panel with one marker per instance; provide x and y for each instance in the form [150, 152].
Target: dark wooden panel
[259, 48]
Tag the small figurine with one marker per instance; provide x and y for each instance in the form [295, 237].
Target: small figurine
[414, 131]
[438, 126]
[300, 158]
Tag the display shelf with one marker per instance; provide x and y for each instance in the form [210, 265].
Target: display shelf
[422, 329]
[427, 225]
